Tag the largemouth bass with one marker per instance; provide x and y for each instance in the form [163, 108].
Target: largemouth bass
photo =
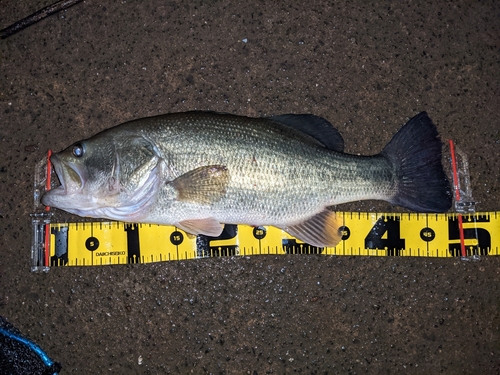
[198, 170]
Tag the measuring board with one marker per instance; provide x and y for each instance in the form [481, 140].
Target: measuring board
[461, 234]
[366, 234]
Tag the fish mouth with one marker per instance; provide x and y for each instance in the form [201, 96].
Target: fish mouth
[71, 182]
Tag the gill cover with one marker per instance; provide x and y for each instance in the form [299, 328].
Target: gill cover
[139, 174]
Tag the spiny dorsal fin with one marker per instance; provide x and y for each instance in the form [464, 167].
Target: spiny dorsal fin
[314, 126]
[322, 230]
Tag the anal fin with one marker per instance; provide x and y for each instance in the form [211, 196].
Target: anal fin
[321, 230]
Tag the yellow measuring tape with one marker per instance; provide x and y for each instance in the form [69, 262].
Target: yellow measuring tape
[364, 234]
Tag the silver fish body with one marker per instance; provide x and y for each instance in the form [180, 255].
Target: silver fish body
[197, 170]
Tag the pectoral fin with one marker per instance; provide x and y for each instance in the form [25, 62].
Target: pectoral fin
[322, 230]
[203, 185]
[208, 227]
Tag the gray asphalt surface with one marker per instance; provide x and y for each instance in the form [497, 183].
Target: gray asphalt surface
[365, 66]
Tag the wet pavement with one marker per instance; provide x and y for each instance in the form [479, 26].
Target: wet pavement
[367, 67]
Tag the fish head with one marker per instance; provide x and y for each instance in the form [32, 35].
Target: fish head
[87, 174]
[106, 176]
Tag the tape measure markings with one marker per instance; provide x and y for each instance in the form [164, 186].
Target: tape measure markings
[363, 234]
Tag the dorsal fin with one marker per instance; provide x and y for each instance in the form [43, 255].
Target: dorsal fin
[314, 126]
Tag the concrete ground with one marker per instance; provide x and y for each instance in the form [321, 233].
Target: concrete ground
[365, 66]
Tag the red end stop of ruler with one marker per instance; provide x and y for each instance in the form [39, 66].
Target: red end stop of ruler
[456, 187]
[47, 209]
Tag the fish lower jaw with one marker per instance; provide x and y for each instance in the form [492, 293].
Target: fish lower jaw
[110, 213]
[50, 198]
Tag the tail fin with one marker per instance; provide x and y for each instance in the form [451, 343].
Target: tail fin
[415, 153]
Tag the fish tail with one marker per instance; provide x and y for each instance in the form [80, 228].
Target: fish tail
[415, 153]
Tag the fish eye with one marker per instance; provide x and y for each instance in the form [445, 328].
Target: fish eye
[78, 150]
